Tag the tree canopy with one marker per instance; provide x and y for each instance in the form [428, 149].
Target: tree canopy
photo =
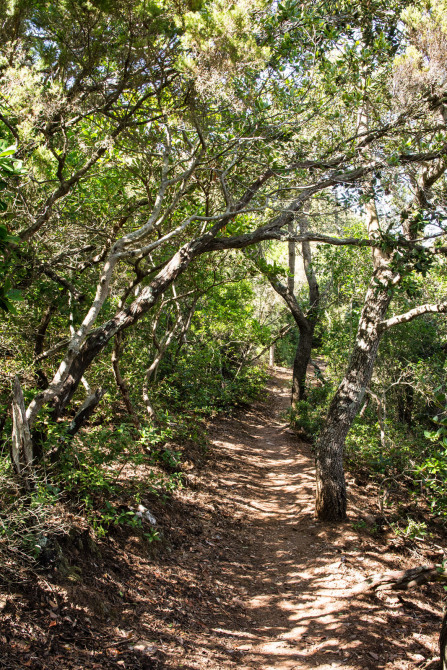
[157, 159]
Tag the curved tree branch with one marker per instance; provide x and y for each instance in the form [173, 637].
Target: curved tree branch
[440, 308]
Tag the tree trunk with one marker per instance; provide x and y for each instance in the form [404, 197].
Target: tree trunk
[87, 344]
[121, 382]
[92, 348]
[300, 363]
[306, 329]
[272, 356]
[98, 339]
[86, 410]
[21, 447]
[306, 326]
[331, 488]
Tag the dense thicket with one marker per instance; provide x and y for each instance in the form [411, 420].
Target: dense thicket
[155, 157]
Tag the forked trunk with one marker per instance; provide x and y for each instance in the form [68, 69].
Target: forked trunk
[307, 324]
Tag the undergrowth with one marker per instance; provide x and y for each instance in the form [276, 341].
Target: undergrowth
[307, 418]
[111, 473]
[400, 458]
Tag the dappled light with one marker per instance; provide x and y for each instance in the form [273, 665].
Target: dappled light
[223, 342]
[298, 585]
[251, 581]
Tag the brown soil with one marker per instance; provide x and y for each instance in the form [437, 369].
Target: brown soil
[246, 577]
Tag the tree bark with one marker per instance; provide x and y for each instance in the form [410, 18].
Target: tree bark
[121, 382]
[87, 343]
[330, 498]
[301, 362]
[98, 339]
[86, 410]
[330, 502]
[307, 325]
[21, 447]
[331, 487]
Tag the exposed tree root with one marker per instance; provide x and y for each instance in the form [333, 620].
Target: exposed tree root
[401, 579]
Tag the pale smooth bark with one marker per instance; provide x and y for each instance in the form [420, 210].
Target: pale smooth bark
[21, 447]
[123, 248]
[437, 308]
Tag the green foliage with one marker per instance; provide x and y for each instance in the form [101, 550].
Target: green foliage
[208, 381]
[89, 474]
[85, 478]
[363, 448]
[409, 378]
[308, 416]
[433, 469]
[107, 99]
[9, 167]
[26, 518]
[270, 269]
[413, 529]
[406, 456]
[285, 348]
[211, 372]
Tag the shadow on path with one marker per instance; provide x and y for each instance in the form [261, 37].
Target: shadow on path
[295, 575]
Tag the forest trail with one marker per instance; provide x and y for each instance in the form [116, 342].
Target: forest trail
[292, 576]
[245, 578]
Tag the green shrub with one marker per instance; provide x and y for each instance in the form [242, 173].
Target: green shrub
[308, 416]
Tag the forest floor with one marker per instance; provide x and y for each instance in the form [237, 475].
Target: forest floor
[245, 578]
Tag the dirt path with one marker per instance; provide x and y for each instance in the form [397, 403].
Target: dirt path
[293, 576]
[245, 579]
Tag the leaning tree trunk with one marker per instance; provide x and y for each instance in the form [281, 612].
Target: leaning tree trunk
[306, 326]
[86, 345]
[331, 488]
[98, 339]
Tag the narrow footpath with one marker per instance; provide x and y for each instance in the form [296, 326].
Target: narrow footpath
[291, 576]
